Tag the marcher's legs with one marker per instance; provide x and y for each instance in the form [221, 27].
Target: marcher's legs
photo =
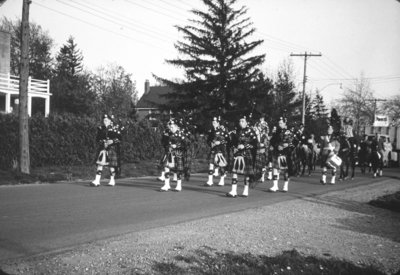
[112, 177]
[99, 171]
[166, 186]
[233, 192]
[275, 178]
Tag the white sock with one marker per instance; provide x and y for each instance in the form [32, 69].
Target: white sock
[222, 181]
[246, 191]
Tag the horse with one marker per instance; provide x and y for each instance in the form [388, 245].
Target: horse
[348, 154]
[304, 158]
[364, 155]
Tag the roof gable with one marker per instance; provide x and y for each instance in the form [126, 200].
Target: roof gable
[154, 98]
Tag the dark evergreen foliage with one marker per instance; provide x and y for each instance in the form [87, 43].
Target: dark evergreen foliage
[71, 86]
[220, 75]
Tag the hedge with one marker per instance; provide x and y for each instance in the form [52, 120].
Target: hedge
[70, 140]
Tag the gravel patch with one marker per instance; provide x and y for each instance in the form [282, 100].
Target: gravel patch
[338, 224]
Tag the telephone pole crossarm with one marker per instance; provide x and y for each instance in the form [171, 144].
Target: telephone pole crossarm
[305, 55]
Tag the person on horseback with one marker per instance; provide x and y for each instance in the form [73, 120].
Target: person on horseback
[376, 157]
[280, 149]
[344, 154]
[218, 138]
[329, 160]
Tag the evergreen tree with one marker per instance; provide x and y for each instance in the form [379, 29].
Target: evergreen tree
[219, 73]
[70, 86]
[286, 100]
[318, 118]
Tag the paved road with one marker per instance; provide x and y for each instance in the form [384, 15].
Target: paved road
[41, 218]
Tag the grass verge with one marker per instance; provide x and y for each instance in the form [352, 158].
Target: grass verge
[207, 261]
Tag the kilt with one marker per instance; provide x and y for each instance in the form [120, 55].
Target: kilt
[243, 164]
[175, 157]
[280, 160]
[261, 161]
[111, 157]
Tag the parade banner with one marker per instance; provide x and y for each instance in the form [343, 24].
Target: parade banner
[381, 121]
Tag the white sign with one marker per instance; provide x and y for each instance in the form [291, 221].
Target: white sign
[381, 121]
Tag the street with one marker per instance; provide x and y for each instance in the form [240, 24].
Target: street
[42, 218]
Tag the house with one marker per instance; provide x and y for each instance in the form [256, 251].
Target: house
[9, 84]
[153, 97]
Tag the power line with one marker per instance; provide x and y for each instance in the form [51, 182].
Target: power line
[98, 27]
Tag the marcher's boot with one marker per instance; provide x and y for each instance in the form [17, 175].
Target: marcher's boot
[166, 186]
[221, 181]
[262, 177]
[162, 177]
[275, 187]
[233, 192]
[286, 186]
[380, 173]
[333, 179]
[175, 177]
[96, 181]
[210, 181]
[323, 179]
[245, 191]
[112, 181]
[178, 187]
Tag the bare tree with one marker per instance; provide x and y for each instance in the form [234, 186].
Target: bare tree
[392, 108]
[358, 102]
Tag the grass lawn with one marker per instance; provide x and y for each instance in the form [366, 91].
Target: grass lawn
[207, 261]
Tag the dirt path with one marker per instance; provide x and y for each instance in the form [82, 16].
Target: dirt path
[337, 224]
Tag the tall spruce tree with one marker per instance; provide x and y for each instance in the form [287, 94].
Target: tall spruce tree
[286, 100]
[214, 53]
[70, 86]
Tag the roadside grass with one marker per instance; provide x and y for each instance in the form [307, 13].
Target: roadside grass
[391, 202]
[54, 174]
[206, 261]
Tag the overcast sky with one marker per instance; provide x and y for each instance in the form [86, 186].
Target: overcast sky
[353, 36]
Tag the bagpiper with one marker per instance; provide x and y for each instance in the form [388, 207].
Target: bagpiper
[244, 141]
[108, 138]
[261, 158]
[164, 143]
[218, 138]
[329, 159]
[280, 149]
[175, 162]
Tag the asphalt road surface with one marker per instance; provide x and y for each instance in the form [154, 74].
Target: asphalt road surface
[42, 218]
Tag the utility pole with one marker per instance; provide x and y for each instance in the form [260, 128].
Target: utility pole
[306, 55]
[24, 159]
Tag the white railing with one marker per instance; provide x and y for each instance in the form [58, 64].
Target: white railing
[9, 85]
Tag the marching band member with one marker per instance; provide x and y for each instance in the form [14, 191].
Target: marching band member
[107, 138]
[280, 148]
[329, 149]
[175, 161]
[164, 144]
[261, 161]
[244, 141]
[218, 138]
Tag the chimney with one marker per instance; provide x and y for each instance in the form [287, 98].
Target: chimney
[146, 86]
